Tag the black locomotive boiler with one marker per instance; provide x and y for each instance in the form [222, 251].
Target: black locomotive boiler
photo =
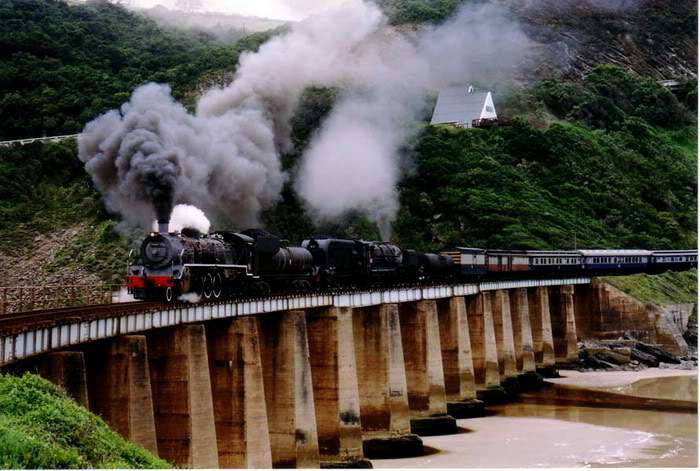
[253, 262]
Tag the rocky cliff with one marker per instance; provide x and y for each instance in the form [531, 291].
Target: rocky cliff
[654, 38]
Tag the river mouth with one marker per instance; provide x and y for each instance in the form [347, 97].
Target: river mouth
[550, 435]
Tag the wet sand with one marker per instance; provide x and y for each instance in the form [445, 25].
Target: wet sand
[610, 379]
[677, 388]
[537, 435]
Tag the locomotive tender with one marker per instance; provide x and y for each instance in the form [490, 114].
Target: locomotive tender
[257, 263]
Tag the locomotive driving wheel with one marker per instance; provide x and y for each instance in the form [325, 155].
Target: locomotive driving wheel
[207, 285]
[217, 286]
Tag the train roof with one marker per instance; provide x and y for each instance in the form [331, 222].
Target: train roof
[467, 249]
[566, 253]
[614, 253]
[675, 252]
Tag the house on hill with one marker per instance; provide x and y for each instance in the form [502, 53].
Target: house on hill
[461, 105]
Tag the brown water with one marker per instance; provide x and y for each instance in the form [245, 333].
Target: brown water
[678, 388]
[536, 435]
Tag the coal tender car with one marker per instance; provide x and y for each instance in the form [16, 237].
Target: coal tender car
[359, 263]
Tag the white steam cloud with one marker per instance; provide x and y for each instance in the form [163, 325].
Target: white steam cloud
[225, 158]
[354, 163]
[185, 216]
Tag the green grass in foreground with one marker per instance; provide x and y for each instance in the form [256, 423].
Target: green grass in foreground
[669, 287]
[40, 427]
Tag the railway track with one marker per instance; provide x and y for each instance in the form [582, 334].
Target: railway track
[11, 323]
[16, 322]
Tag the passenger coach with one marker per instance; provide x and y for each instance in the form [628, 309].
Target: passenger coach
[676, 260]
[603, 262]
[554, 262]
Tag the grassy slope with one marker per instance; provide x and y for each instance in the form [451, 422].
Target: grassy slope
[669, 287]
[40, 427]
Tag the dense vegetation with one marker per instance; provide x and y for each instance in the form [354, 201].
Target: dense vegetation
[40, 427]
[615, 166]
[62, 64]
[418, 11]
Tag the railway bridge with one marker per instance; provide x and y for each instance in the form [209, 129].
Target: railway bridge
[322, 379]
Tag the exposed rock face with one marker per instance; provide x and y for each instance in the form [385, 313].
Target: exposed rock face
[655, 38]
[619, 332]
[603, 311]
[669, 333]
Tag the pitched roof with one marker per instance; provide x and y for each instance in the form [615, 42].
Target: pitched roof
[457, 105]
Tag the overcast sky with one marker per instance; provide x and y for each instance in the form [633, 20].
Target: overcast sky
[278, 9]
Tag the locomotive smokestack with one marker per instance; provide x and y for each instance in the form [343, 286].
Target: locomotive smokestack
[164, 207]
[163, 226]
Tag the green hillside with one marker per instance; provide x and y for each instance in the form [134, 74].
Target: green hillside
[61, 65]
[607, 161]
[40, 427]
[669, 287]
[418, 11]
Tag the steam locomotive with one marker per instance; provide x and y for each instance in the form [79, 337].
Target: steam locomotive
[257, 263]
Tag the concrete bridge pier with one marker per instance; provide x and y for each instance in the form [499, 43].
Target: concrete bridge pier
[182, 399]
[541, 323]
[458, 367]
[420, 336]
[484, 351]
[240, 412]
[522, 331]
[522, 334]
[561, 302]
[289, 393]
[505, 344]
[336, 393]
[381, 375]
[67, 371]
[120, 389]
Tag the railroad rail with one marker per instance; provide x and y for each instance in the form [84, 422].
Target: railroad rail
[16, 322]
[23, 335]
[31, 140]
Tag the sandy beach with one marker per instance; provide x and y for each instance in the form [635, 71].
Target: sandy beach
[541, 435]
